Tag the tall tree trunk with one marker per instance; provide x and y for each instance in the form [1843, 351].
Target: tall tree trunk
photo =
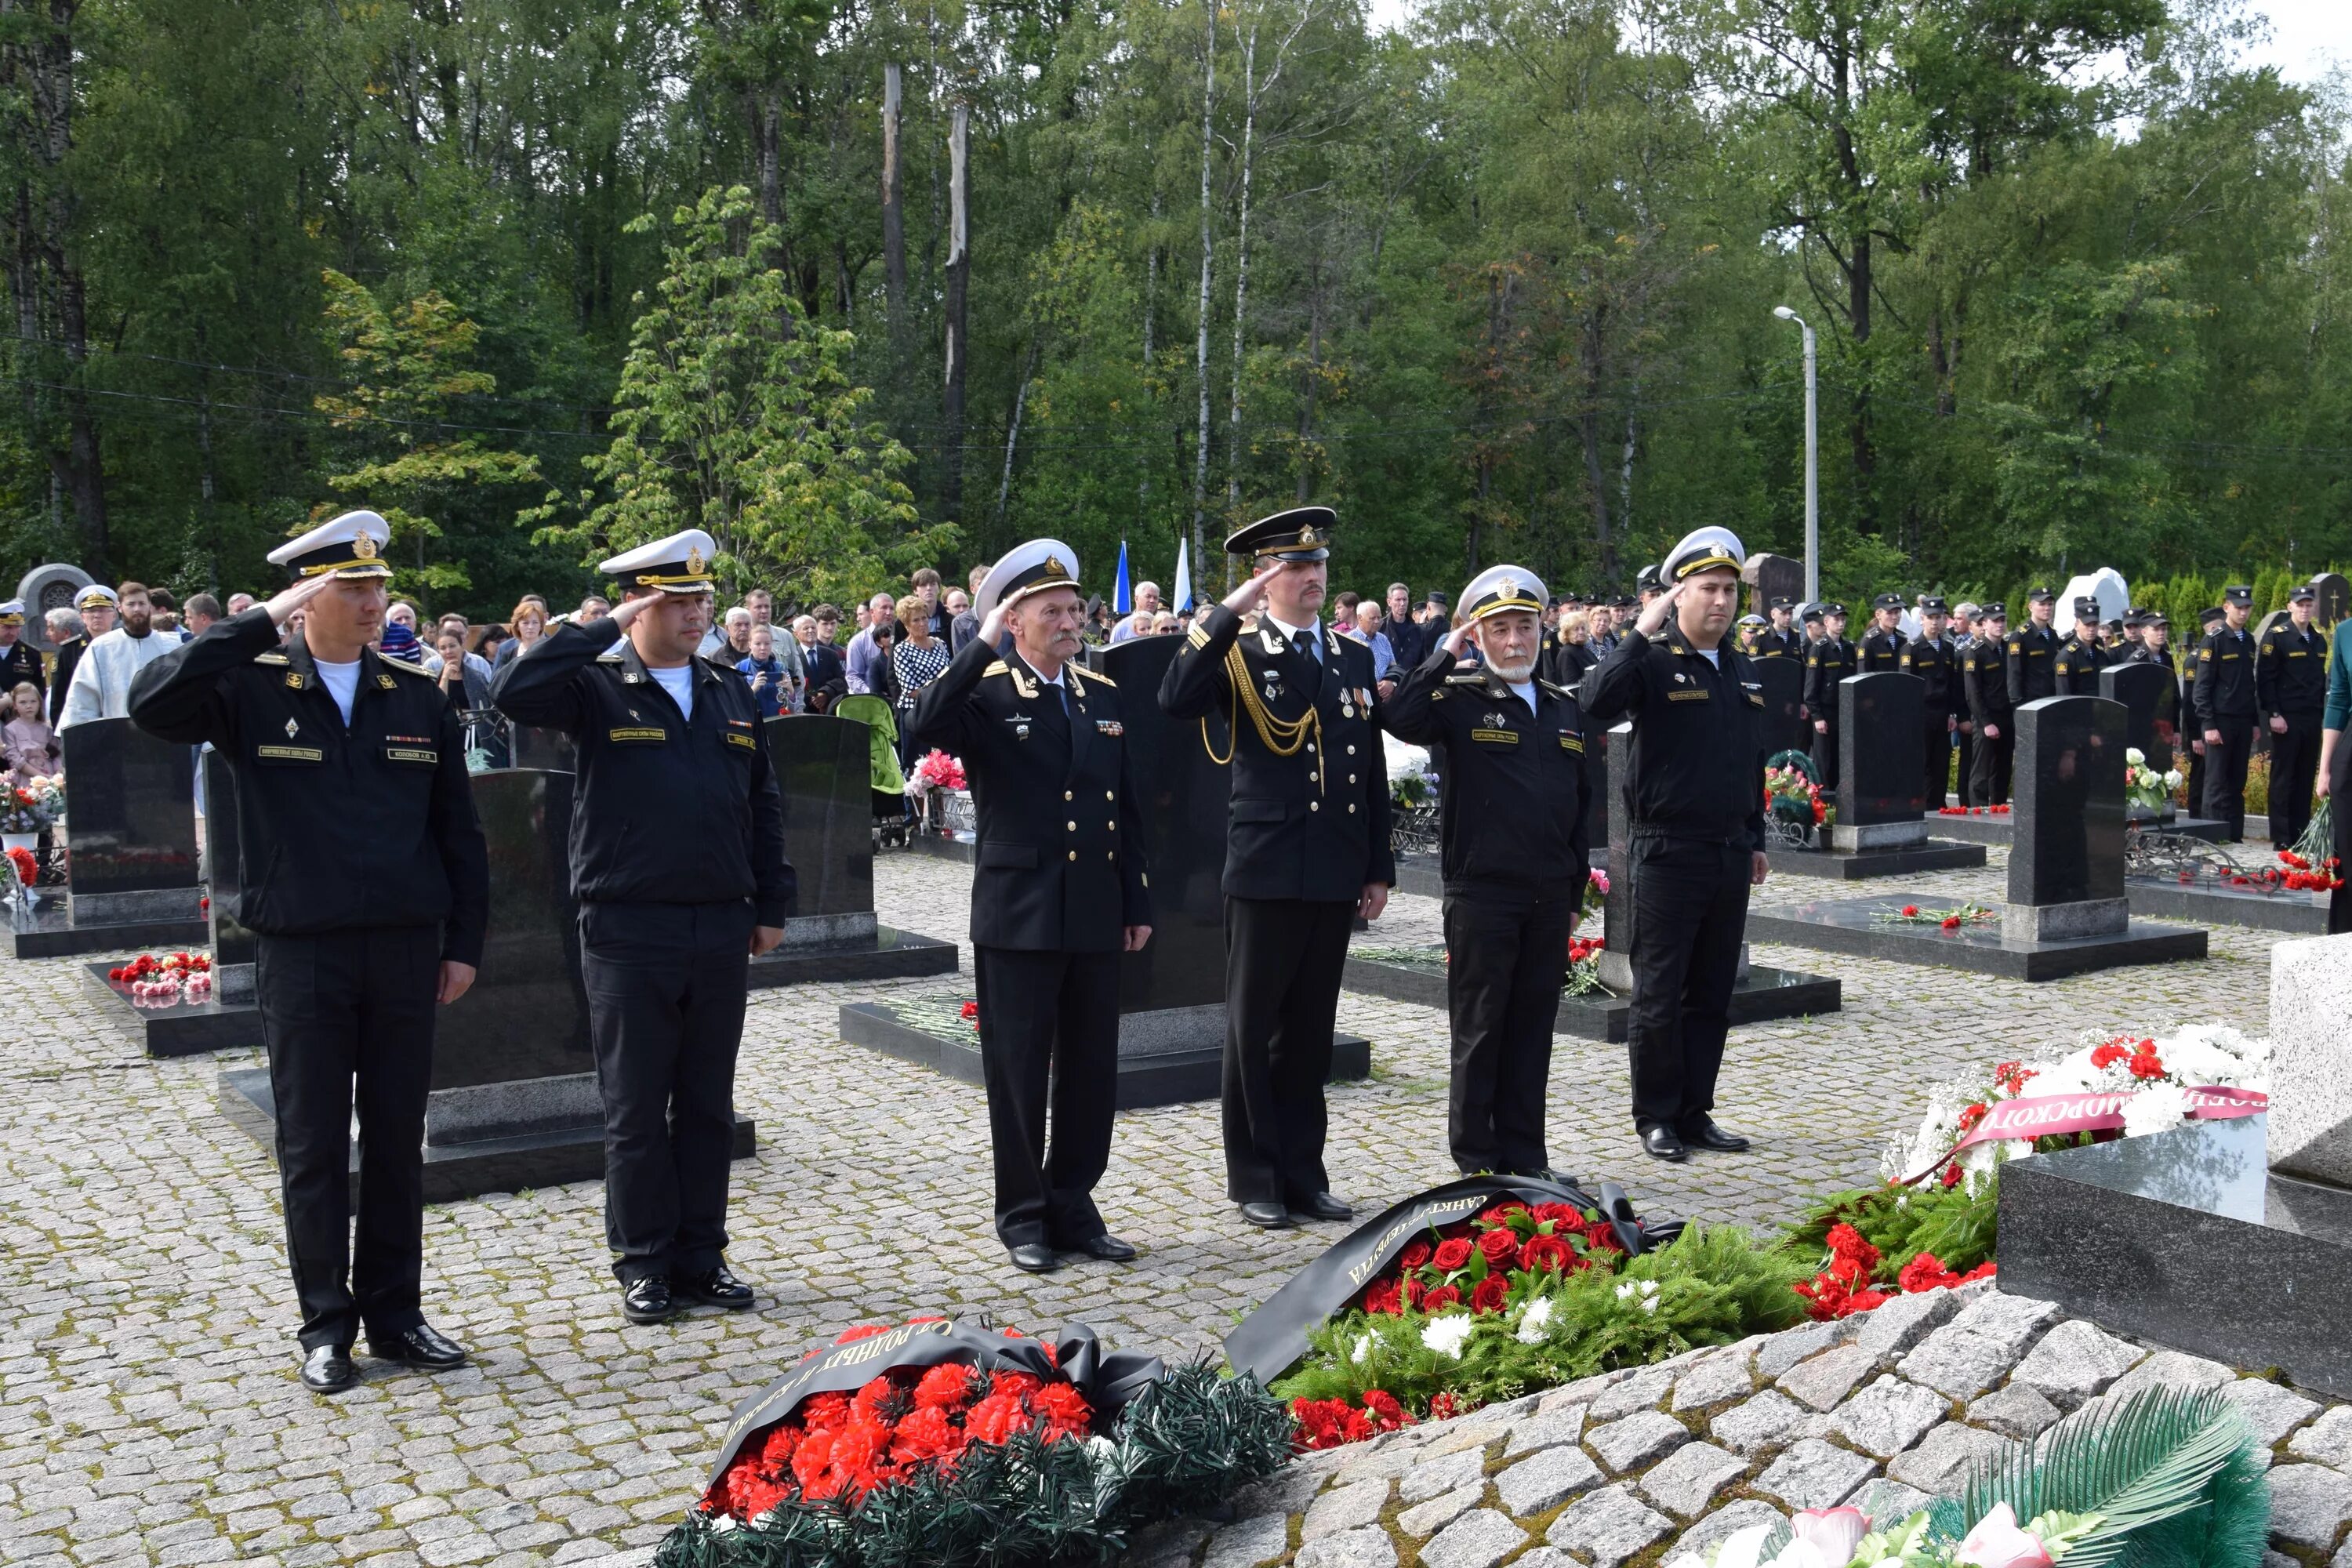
[1151, 282]
[1311, 382]
[1241, 273]
[1589, 428]
[765, 106]
[1208, 253]
[894, 201]
[1625, 481]
[1866, 452]
[958, 271]
[1012, 432]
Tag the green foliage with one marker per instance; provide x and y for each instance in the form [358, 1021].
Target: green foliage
[1956, 1225]
[1711, 1285]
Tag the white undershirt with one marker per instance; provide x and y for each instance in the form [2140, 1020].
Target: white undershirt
[1713, 656]
[1527, 693]
[341, 681]
[678, 681]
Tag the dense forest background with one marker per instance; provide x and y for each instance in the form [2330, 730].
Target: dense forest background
[861, 286]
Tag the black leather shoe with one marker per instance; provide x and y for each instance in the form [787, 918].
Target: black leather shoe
[1663, 1143]
[1109, 1248]
[1266, 1217]
[1033, 1256]
[1705, 1134]
[328, 1368]
[647, 1300]
[422, 1346]
[1323, 1206]
[713, 1288]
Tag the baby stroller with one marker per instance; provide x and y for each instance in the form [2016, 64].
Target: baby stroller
[892, 819]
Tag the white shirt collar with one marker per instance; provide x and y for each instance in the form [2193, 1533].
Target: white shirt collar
[1291, 633]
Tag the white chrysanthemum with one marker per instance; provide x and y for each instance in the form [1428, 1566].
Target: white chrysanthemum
[2158, 1110]
[1533, 1319]
[1362, 1352]
[1447, 1334]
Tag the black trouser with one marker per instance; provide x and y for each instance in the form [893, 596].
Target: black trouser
[1988, 769]
[1506, 957]
[1938, 766]
[2339, 819]
[2225, 773]
[1962, 770]
[1690, 912]
[1284, 958]
[1049, 1019]
[339, 1009]
[666, 991]
[2294, 764]
[1825, 757]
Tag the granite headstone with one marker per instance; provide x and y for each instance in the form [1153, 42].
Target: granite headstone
[1183, 797]
[130, 824]
[2334, 598]
[1771, 577]
[2066, 853]
[2311, 1048]
[232, 944]
[2150, 694]
[1881, 793]
[1616, 968]
[821, 762]
[1783, 683]
[1596, 780]
[45, 588]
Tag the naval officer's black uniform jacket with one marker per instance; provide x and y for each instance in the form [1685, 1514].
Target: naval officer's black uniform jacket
[2030, 653]
[362, 868]
[677, 851]
[1984, 680]
[2224, 694]
[1306, 834]
[1058, 872]
[20, 662]
[1944, 703]
[1695, 810]
[2075, 671]
[2291, 682]
[1827, 662]
[1512, 846]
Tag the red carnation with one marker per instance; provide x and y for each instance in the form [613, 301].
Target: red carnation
[1488, 1297]
[1951, 1176]
[995, 1418]
[2109, 1055]
[1017, 1384]
[1064, 1410]
[1452, 1254]
[1437, 1301]
[783, 1441]
[1385, 1408]
[925, 1436]
[1544, 1252]
[1444, 1407]
[1926, 1272]
[945, 1387]
[813, 1464]
[1498, 1244]
[1910, 909]
[1414, 1255]
[823, 1412]
[1970, 1115]
[863, 1332]
[1951, 923]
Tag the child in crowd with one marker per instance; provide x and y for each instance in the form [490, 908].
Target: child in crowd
[27, 742]
[765, 671]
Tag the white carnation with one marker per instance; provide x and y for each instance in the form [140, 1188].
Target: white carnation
[1447, 1334]
[2158, 1110]
[1363, 1349]
[1532, 1321]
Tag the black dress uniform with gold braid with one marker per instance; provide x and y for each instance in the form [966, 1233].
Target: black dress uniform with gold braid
[1937, 663]
[1827, 662]
[363, 869]
[19, 661]
[1058, 871]
[2291, 684]
[1984, 682]
[1307, 831]
[2076, 670]
[677, 853]
[1694, 809]
[1513, 853]
[2030, 652]
[2225, 697]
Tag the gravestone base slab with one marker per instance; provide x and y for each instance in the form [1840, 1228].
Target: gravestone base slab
[888, 954]
[1854, 926]
[468, 1170]
[2002, 830]
[233, 982]
[2128, 1233]
[1762, 994]
[2065, 922]
[959, 848]
[46, 930]
[2170, 901]
[1170, 1055]
[1877, 834]
[140, 904]
[1895, 860]
[182, 1029]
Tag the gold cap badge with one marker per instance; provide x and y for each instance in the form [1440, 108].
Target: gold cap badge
[1307, 534]
[1053, 567]
[363, 547]
[693, 559]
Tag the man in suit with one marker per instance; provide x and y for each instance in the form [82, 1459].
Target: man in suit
[1059, 890]
[1306, 849]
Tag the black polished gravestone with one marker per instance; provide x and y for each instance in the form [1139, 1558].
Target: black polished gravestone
[822, 768]
[1172, 995]
[1761, 992]
[2066, 913]
[2334, 598]
[1771, 577]
[1782, 681]
[514, 1102]
[2150, 694]
[1881, 793]
[131, 873]
[551, 751]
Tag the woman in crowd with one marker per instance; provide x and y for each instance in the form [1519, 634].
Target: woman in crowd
[529, 623]
[917, 660]
[769, 679]
[1570, 655]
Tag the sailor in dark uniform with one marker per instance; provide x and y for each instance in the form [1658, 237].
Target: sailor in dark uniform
[1984, 683]
[1306, 849]
[1827, 662]
[1059, 890]
[678, 860]
[20, 661]
[2293, 681]
[1515, 860]
[364, 875]
[1961, 632]
[1780, 640]
[2225, 698]
[2030, 652]
[2081, 656]
[1931, 656]
[2209, 621]
[1882, 647]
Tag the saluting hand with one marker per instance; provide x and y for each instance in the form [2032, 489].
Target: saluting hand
[1654, 615]
[293, 598]
[1244, 599]
[992, 628]
[628, 610]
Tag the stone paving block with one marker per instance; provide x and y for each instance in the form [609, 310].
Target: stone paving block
[1814, 1474]
[1544, 1481]
[1686, 1480]
[1771, 1420]
[1546, 1429]
[1637, 1440]
[1345, 1508]
[1715, 1378]
[1888, 1330]
[1351, 1549]
[1942, 1460]
[1427, 1519]
[2272, 1409]
[2309, 1505]
[1641, 1390]
[1825, 1381]
[1478, 1539]
[1247, 1542]
[2172, 1369]
[1607, 1526]
[1725, 1522]
[1890, 1503]
[1786, 1348]
[2016, 1411]
[1889, 1416]
[2075, 1361]
[1431, 1477]
[1979, 1346]
[2327, 1439]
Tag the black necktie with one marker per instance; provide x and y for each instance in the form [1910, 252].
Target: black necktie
[1305, 643]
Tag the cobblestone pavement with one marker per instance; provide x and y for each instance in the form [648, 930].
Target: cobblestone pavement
[148, 1407]
[1882, 1411]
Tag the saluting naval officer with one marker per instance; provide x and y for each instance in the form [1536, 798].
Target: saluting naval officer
[1306, 849]
[1513, 853]
[364, 877]
[1695, 803]
[1059, 889]
[678, 860]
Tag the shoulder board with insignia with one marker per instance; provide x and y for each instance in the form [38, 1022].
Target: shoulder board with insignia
[405, 666]
[999, 668]
[1097, 678]
[272, 658]
[612, 657]
[1473, 679]
[1555, 688]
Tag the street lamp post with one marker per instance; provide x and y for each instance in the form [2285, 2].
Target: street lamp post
[1812, 463]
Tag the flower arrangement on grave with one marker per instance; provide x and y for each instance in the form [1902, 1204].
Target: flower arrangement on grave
[168, 979]
[2161, 1476]
[1583, 976]
[1972, 811]
[1856, 1275]
[936, 770]
[27, 865]
[1792, 795]
[2144, 786]
[2311, 861]
[1413, 788]
[1596, 893]
[27, 809]
[943, 1444]
[1950, 919]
